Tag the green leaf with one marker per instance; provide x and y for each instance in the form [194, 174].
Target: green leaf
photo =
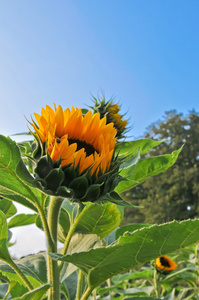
[79, 243]
[100, 219]
[130, 162]
[130, 228]
[144, 298]
[133, 249]
[19, 199]
[35, 294]
[71, 208]
[126, 148]
[33, 266]
[15, 178]
[22, 220]
[16, 290]
[70, 286]
[3, 290]
[146, 168]
[63, 226]
[7, 207]
[4, 253]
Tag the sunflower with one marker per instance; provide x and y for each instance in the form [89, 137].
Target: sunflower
[114, 116]
[74, 153]
[85, 141]
[165, 264]
[112, 112]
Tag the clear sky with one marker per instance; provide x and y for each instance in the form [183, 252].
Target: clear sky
[145, 53]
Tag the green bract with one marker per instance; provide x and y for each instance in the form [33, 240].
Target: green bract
[68, 183]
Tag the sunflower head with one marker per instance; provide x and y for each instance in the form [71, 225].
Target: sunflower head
[112, 112]
[165, 264]
[74, 153]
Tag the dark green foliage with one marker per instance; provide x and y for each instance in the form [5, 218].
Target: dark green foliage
[173, 194]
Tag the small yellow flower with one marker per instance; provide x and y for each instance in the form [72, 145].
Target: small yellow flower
[165, 264]
[85, 141]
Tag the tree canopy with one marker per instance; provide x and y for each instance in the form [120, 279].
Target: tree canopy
[173, 194]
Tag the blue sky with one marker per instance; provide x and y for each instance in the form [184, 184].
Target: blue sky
[145, 53]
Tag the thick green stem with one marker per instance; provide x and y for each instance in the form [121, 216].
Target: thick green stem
[53, 271]
[45, 226]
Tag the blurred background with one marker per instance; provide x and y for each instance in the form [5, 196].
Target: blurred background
[144, 54]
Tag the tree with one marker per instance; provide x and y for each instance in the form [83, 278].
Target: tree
[173, 194]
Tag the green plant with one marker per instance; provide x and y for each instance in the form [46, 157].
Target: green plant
[72, 176]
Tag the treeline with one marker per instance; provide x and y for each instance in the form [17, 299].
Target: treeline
[173, 194]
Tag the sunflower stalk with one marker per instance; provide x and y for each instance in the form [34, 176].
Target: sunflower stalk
[155, 281]
[53, 270]
[79, 286]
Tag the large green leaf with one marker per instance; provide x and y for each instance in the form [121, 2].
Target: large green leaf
[133, 249]
[146, 168]
[7, 207]
[19, 199]
[132, 147]
[3, 290]
[16, 290]
[132, 161]
[5, 256]
[14, 176]
[35, 294]
[32, 266]
[80, 243]
[130, 228]
[22, 220]
[99, 219]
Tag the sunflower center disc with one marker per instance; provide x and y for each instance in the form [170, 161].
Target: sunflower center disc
[164, 262]
[89, 149]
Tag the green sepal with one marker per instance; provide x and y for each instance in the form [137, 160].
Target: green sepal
[92, 193]
[64, 192]
[54, 179]
[115, 198]
[79, 185]
[37, 147]
[70, 175]
[44, 167]
[111, 183]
